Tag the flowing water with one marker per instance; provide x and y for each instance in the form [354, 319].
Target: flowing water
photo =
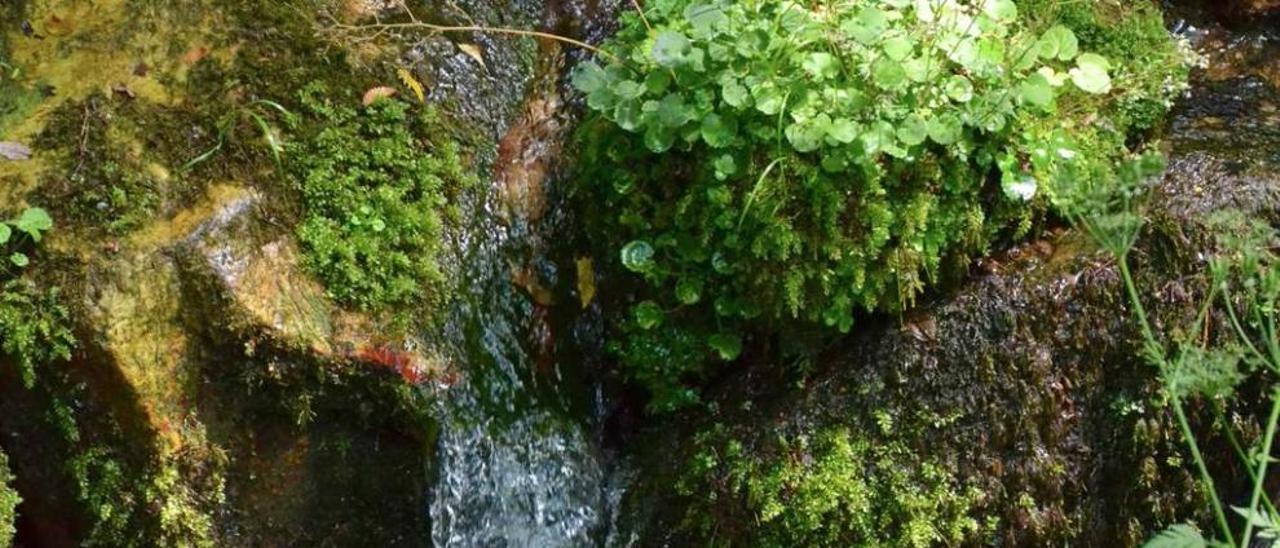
[519, 459]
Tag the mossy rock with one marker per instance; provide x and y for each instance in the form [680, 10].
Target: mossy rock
[1025, 385]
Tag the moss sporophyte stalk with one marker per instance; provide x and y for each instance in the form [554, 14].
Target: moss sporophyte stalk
[771, 165]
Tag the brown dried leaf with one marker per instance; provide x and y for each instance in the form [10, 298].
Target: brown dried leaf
[380, 92]
[473, 51]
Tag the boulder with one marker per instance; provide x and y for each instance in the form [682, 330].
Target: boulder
[1023, 392]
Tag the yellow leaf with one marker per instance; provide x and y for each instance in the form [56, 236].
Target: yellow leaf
[473, 51]
[586, 281]
[412, 83]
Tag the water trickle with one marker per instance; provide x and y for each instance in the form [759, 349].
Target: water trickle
[514, 467]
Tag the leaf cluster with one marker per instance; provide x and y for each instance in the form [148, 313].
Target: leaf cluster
[770, 163]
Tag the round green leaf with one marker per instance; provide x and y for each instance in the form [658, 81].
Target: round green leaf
[944, 130]
[718, 131]
[888, 74]
[19, 260]
[689, 291]
[897, 48]
[821, 65]
[589, 77]
[1000, 10]
[626, 89]
[725, 166]
[843, 130]
[706, 19]
[728, 346]
[5, 233]
[670, 49]
[867, 27]
[734, 93]
[648, 315]
[637, 256]
[34, 221]
[769, 99]
[912, 131]
[1090, 74]
[959, 89]
[1036, 90]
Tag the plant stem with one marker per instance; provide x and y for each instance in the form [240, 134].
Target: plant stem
[1235, 446]
[382, 27]
[1264, 458]
[1161, 361]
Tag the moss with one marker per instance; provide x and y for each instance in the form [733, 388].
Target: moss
[376, 184]
[831, 488]
[9, 501]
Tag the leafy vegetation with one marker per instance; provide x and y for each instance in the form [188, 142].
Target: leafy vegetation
[767, 166]
[1244, 285]
[377, 186]
[836, 489]
[9, 501]
[33, 324]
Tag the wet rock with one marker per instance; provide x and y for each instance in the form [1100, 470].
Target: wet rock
[1026, 383]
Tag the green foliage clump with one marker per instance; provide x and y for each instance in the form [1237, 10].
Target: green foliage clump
[377, 184]
[9, 501]
[1150, 69]
[767, 164]
[836, 489]
[34, 325]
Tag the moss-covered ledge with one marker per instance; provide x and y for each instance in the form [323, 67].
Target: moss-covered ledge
[1017, 408]
[1014, 411]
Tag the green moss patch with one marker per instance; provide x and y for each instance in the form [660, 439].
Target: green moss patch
[9, 501]
[376, 184]
[832, 488]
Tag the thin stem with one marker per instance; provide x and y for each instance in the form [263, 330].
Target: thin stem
[1264, 458]
[636, 4]
[1187, 434]
[418, 25]
[1239, 450]
[1235, 324]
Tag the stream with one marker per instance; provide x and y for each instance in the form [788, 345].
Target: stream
[519, 459]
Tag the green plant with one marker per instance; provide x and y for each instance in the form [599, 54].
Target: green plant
[33, 323]
[377, 184]
[770, 164]
[27, 227]
[9, 501]
[1244, 274]
[256, 111]
[836, 489]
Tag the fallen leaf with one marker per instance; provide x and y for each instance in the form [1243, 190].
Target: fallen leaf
[123, 91]
[586, 281]
[380, 92]
[474, 52]
[10, 150]
[195, 55]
